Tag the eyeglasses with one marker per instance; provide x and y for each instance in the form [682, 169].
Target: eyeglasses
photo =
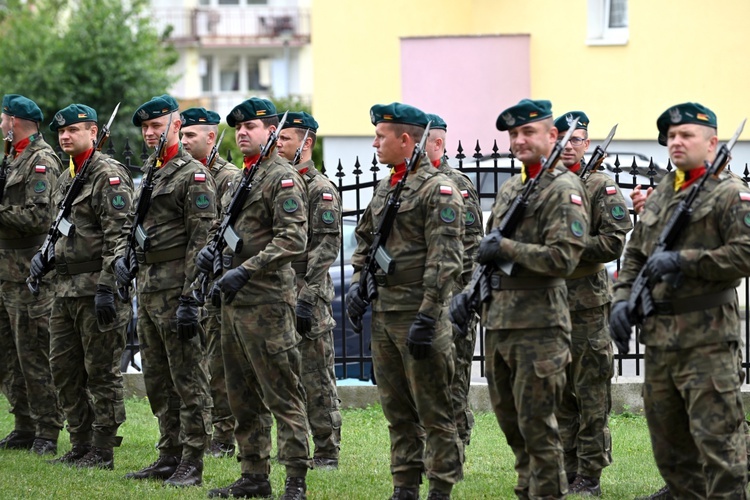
[576, 141]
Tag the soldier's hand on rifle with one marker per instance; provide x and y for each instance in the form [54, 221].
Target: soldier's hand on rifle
[663, 263]
[356, 306]
[489, 248]
[419, 340]
[459, 314]
[125, 271]
[231, 282]
[187, 318]
[204, 261]
[620, 326]
[104, 305]
[40, 265]
[304, 312]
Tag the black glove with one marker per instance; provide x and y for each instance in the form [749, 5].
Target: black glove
[489, 248]
[356, 306]
[187, 318]
[39, 265]
[231, 282]
[125, 271]
[304, 312]
[204, 261]
[419, 340]
[104, 305]
[459, 313]
[662, 263]
[620, 326]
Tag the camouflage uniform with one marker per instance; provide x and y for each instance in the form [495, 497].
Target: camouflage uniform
[583, 414]
[691, 390]
[222, 418]
[174, 369]
[465, 345]
[314, 286]
[259, 337]
[527, 325]
[425, 243]
[26, 213]
[85, 356]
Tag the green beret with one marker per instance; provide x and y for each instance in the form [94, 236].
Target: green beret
[300, 119]
[199, 116]
[687, 112]
[21, 107]
[526, 111]
[75, 113]
[563, 123]
[396, 112]
[437, 122]
[251, 109]
[158, 106]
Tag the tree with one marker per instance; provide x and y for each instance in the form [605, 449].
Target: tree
[95, 52]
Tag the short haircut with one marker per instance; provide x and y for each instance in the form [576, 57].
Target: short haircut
[268, 121]
[413, 131]
[301, 133]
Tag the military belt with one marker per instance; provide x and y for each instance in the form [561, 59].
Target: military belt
[34, 241]
[400, 278]
[91, 266]
[173, 253]
[499, 282]
[586, 270]
[685, 305]
[300, 267]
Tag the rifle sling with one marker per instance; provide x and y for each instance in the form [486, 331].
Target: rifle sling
[400, 277]
[174, 253]
[34, 241]
[500, 282]
[685, 305]
[91, 266]
[586, 270]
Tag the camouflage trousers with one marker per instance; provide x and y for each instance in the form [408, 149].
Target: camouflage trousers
[583, 414]
[319, 380]
[462, 381]
[85, 361]
[526, 377]
[416, 401]
[694, 412]
[262, 366]
[25, 375]
[176, 376]
[221, 417]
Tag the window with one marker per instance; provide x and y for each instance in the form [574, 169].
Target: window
[607, 22]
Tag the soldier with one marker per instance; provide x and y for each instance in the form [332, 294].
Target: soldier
[472, 236]
[583, 414]
[171, 339]
[527, 320]
[692, 382]
[259, 339]
[411, 334]
[315, 289]
[87, 326]
[26, 212]
[200, 131]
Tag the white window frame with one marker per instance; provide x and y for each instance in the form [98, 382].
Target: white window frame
[599, 32]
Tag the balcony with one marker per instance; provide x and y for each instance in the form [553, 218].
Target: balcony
[217, 27]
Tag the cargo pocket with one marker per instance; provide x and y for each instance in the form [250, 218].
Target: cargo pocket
[545, 368]
[602, 354]
[39, 313]
[282, 342]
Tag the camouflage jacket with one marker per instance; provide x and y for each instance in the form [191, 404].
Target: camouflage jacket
[715, 254]
[609, 223]
[548, 242]
[98, 213]
[273, 227]
[425, 241]
[26, 212]
[314, 284]
[183, 205]
[473, 223]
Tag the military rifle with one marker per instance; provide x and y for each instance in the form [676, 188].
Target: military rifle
[214, 154]
[479, 288]
[4, 167]
[598, 157]
[226, 235]
[377, 256]
[138, 235]
[62, 225]
[298, 153]
[641, 304]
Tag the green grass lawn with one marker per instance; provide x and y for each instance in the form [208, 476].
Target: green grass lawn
[363, 473]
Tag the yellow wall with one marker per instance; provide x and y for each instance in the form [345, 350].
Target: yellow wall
[678, 50]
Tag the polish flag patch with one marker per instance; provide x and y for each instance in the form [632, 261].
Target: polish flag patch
[446, 190]
[200, 177]
[114, 181]
[745, 196]
[40, 169]
[465, 193]
[327, 197]
[287, 183]
[574, 198]
[611, 190]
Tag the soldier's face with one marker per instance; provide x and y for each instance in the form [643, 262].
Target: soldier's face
[575, 148]
[197, 140]
[76, 139]
[152, 130]
[690, 145]
[251, 135]
[390, 148]
[435, 145]
[5, 124]
[288, 143]
[532, 140]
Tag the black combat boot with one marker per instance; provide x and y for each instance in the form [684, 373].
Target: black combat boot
[188, 473]
[401, 493]
[17, 440]
[102, 458]
[221, 450]
[247, 486]
[77, 452]
[438, 495]
[662, 494]
[325, 463]
[585, 485]
[163, 468]
[42, 446]
[294, 489]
